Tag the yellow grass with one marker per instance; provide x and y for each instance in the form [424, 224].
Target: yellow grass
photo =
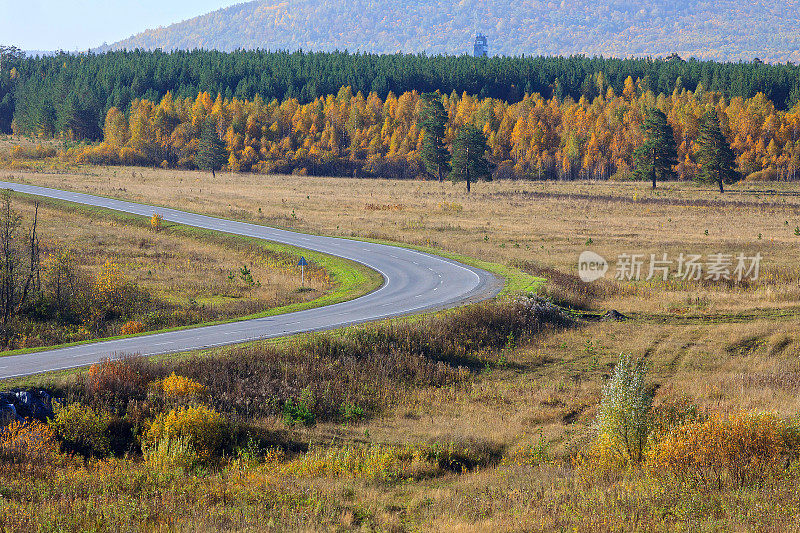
[729, 349]
[507, 221]
[185, 272]
[173, 267]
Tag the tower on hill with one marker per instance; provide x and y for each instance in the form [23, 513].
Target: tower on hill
[481, 46]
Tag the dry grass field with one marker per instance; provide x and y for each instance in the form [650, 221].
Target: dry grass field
[521, 415]
[535, 225]
[190, 278]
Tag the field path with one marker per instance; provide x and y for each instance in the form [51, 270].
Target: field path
[413, 282]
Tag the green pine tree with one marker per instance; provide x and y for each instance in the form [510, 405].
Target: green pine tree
[717, 160]
[469, 156]
[657, 157]
[433, 121]
[210, 149]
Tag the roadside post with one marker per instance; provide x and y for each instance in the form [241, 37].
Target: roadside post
[302, 264]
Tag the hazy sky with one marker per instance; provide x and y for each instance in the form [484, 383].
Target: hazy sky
[82, 24]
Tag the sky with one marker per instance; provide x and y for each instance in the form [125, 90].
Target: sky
[82, 24]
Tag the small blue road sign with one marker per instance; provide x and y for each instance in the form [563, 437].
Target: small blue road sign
[302, 264]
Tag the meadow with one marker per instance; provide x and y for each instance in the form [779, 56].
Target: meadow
[163, 275]
[484, 418]
[534, 225]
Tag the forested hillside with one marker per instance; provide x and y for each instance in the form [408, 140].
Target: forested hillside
[334, 113]
[721, 30]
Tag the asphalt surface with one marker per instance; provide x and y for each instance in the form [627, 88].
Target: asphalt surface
[414, 282]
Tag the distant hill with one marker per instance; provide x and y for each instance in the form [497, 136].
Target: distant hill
[706, 29]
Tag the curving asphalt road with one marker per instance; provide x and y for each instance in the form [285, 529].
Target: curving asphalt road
[413, 282]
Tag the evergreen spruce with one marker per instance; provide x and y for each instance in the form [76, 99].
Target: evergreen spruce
[469, 156]
[716, 158]
[657, 157]
[210, 150]
[433, 121]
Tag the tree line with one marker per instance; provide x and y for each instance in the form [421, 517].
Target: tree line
[413, 135]
[72, 94]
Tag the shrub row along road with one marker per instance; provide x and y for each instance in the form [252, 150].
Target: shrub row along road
[413, 282]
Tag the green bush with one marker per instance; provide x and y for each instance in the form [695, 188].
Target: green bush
[82, 430]
[351, 412]
[300, 412]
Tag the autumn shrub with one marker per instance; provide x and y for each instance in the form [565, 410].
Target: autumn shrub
[131, 327]
[82, 430]
[64, 286]
[601, 458]
[203, 428]
[38, 151]
[179, 388]
[725, 451]
[111, 384]
[156, 222]
[28, 442]
[767, 174]
[99, 154]
[109, 285]
[113, 296]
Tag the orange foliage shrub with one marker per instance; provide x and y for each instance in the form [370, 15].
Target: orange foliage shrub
[735, 450]
[113, 383]
[101, 154]
[156, 222]
[132, 327]
[108, 374]
[28, 442]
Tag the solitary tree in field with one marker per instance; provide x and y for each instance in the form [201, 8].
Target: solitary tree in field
[657, 157]
[433, 121]
[211, 150]
[717, 160]
[469, 156]
[624, 414]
